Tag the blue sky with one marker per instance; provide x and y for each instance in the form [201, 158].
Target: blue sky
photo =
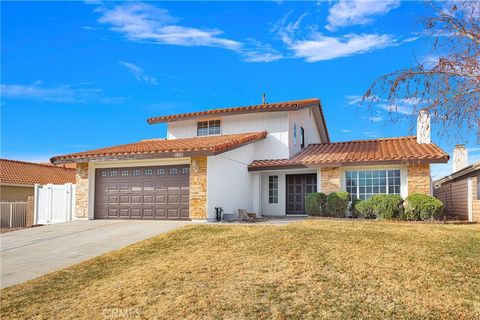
[83, 75]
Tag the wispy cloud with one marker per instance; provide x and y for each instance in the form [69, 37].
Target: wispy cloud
[376, 118]
[346, 130]
[78, 93]
[138, 73]
[320, 47]
[255, 51]
[357, 12]
[310, 44]
[144, 22]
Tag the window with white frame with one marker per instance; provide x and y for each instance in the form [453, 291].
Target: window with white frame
[363, 184]
[273, 189]
[205, 128]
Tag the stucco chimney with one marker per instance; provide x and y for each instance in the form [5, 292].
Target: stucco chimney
[460, 157]
[423, 126]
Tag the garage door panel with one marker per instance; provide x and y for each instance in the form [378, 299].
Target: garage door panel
[159, 192]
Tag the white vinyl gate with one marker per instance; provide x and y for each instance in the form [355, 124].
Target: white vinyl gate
[54, 203]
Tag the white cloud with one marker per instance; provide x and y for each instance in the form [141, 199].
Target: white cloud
[404, 109]
[375, 118]
[357, 12]
[346, 130]
[79, 93]
[353, 99]
[144, 22]
[138, 73]
[255, 51]
[321, 47]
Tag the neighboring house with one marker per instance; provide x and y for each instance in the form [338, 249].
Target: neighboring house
[262, 158]
[17, 178]
[460, 191]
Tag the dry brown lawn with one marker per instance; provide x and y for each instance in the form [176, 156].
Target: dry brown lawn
[312, 269]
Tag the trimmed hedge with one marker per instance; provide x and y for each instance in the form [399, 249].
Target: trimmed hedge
[387, 206]
[353, 208]
[422, 207]
[315, 204]
[365, 208]
[337, 203]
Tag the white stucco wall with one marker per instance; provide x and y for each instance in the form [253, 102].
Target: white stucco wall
[274, 146]
[278, 209]
[229, 184]
[302, 118]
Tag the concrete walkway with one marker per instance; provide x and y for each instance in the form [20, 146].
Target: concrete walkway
[29, 253]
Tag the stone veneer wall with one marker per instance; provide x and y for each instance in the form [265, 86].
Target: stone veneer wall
[198, 188]
[418, 176]
[330, 180]
[81, 206]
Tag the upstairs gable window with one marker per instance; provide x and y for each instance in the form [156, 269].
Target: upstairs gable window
[205, 128]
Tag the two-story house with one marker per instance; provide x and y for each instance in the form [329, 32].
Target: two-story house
[263, 158]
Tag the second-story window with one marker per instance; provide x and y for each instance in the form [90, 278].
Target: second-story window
[302, 138]
[205, 128]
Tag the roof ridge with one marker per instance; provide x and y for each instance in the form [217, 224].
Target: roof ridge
[219, 110]
[364, 140]
[37, 164]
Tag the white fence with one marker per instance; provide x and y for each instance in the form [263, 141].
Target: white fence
[13, 214]
[54, 203]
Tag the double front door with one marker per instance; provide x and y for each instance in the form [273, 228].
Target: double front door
[298, 186]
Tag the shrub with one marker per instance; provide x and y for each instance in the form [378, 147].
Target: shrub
[365, 208]
[315, 204]
[386, 206]
[337, 203]
[422, 207]
[312, 204]
[323, 204]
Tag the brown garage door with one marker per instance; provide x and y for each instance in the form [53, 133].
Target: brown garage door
[159, 192]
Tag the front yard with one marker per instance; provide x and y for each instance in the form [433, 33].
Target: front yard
[311, 269]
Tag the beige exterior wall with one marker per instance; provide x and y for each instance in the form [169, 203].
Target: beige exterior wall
[418, 177]
[14, 193]
[198, 188]
[330, 180]
[454, 196]
[81, 206]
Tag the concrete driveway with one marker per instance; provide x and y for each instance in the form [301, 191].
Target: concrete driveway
[29, 253]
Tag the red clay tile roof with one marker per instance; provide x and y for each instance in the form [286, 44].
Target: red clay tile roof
[268, 107]
[358, 152]
[28, 173]
[160, 148]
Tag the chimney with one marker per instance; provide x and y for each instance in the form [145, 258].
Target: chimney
[460, 157]
[423, 126]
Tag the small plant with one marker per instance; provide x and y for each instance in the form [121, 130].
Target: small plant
[337, 203]
[365, 208]
[315, 204]
[312, 204]
[422, 207]
[387, 206]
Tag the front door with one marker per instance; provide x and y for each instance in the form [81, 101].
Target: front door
[298, 186]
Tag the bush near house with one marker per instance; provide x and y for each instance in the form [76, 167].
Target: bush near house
[337, 203]
[422, 207]
[387, 206]
[354, 213]
[365, 208]
[315, 204]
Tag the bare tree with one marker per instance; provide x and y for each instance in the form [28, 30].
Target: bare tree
[449, 85]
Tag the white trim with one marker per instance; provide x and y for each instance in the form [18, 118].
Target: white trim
[118, 164]
[403, 175]
[319, 180]
[470, 199]
[17, 185]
